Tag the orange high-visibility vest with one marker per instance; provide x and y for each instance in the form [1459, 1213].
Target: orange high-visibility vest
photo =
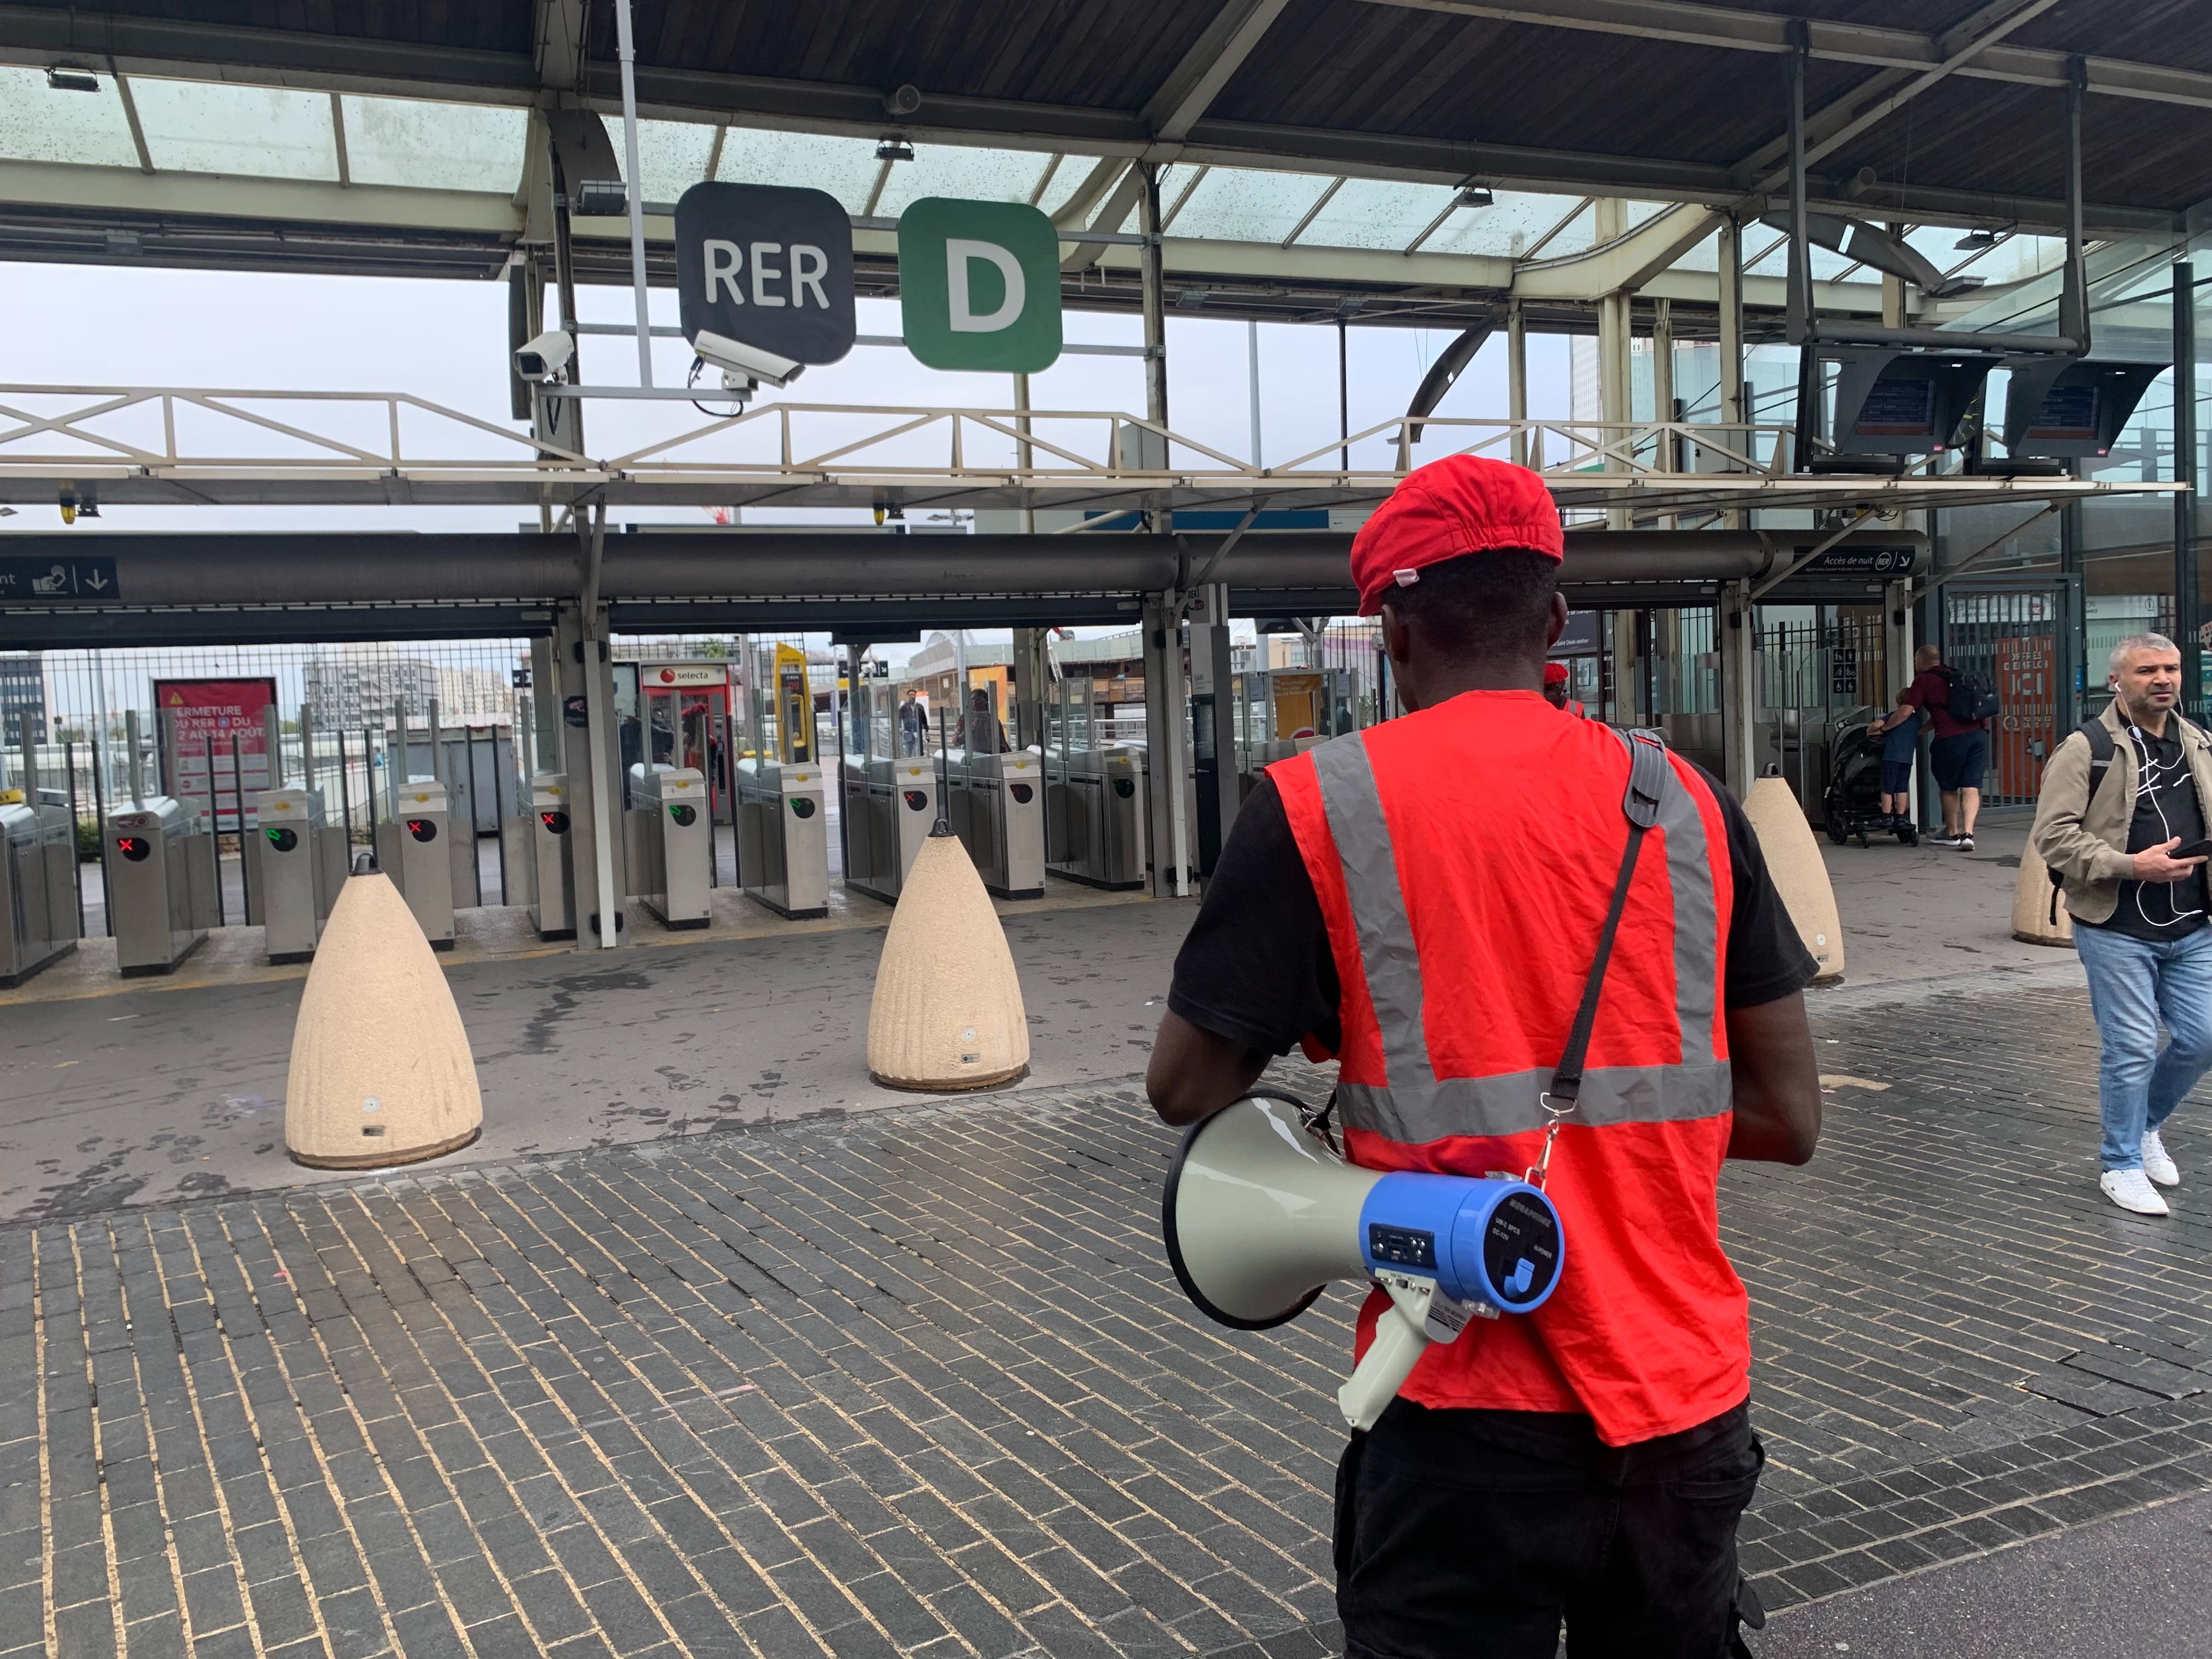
[1464, 857]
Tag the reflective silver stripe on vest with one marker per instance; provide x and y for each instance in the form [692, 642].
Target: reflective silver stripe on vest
[1387, 952]
[1416, 1106]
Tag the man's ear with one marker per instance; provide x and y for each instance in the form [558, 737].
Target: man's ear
[1395, 632]
[1558, 625]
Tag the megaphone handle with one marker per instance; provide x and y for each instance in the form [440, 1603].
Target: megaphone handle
[1399, 1340]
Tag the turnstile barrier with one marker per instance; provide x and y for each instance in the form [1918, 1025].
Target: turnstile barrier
[783, 837]
[160, 871]
[286, 860]
[553, 882]
[995, 803]
[676, 842]
[1095, 813]
[415, 849]
[889, 807]
[38, 871]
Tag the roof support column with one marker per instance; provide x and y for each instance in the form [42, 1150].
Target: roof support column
[1154, 277]
[1613, 314]
[1517, 376]
[1663, 410]
[1730, 349]
[1734, 613]
[2185, 606]
[1168, 833]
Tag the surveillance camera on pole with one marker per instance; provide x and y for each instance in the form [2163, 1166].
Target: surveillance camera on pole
[743, 367]
[544, 360]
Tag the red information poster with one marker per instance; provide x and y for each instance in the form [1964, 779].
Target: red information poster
[206, 716]
[2024, 734]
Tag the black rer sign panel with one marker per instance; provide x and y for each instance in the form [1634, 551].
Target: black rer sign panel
[768, 266]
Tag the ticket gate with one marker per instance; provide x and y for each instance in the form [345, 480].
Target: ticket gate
[783, 837]
[161, 883]
[553, 881]
[287, 892]
[38, 864]
[996, 806]
[890, 806]
[1096, 816]
[676, 844]
[415, 849]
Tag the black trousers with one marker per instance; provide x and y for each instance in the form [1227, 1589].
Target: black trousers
[1474, 1534]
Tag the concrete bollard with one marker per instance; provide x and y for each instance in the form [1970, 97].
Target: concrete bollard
[2032, 894]
[381, 1072]
[1793, 859]
[947, 1014]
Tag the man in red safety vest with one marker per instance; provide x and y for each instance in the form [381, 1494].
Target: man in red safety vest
[1555, 690]
[1424, 900]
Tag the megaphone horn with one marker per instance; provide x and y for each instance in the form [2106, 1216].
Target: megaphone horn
[1258, 1216]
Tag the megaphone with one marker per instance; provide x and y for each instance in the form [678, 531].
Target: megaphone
[1260, 1215]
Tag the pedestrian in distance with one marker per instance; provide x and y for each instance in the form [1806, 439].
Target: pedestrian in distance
[912, 719]
[1901, 742]
[2121, 823]
[1555, 690]
[1960, 707]
[1383, 899]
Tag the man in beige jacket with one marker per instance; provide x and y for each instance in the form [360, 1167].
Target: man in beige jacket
[2121, 798]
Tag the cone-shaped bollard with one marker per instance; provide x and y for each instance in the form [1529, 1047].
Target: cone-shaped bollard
[2032, 922]
[1793, 859]
[947, 1014]
[382, 1071]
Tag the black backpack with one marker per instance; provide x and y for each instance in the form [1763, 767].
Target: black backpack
[2101, 750]
[1972, 697]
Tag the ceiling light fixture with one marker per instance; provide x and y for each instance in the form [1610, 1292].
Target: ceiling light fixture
[1975, 241]
[67, 77]
[894, 149]
[1476, 196]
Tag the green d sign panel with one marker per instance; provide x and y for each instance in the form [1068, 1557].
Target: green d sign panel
[979, 285]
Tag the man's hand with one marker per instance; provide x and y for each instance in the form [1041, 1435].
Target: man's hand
[2153, 864]
[1194, 1073]
[1777, 1082]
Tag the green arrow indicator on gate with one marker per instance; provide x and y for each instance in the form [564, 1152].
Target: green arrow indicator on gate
[979, 285]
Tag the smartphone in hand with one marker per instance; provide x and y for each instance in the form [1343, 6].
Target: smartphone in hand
[2195, 849]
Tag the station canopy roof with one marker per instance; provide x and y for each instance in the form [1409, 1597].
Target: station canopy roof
[1308, 148]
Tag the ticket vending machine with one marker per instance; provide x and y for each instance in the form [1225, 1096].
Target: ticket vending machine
[553, 881]
[783, 837]
[997, 808]
[156, 886]
[38, 863]
[286, 891]
[413, 848]
[676, 832]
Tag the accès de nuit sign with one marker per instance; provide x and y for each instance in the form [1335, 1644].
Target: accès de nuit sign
[771, 266]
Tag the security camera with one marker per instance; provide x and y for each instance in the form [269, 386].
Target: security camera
[744, 364]
[543, 358]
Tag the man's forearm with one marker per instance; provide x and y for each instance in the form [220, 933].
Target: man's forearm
[1777, 1082]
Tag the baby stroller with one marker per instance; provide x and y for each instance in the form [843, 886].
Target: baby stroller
[1853, 805]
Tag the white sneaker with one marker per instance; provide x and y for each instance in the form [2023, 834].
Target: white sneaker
[2131, 1190]
[2157, 1163]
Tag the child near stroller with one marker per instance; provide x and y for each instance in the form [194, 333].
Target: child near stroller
[1859, 794]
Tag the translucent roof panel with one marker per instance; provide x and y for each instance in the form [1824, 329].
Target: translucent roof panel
[1238, 204]
[37, 123]
[845, 168]
[1376, 213]
[426, 146]
[976, 175]
[262, 132]
[1514, 222]
[1826, 265]
[671, 155]
[1066, 179]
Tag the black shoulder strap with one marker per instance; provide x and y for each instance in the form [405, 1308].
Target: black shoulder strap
[2101, 749]
[1647, 778]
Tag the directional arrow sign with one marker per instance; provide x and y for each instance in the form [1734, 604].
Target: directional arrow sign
[66, 581]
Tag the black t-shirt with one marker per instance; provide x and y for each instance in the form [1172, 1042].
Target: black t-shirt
[2166, 807]
[1256, 966]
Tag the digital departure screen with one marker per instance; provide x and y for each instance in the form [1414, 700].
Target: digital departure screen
[1898, 408]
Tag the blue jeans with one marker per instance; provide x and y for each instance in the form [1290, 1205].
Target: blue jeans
[2132, 985]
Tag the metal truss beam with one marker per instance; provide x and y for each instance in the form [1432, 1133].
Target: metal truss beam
[1219, 53]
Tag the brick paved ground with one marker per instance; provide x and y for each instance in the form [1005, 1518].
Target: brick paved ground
[918, 1383]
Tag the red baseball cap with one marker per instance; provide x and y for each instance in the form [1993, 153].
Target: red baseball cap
[1555, 673]
[1461, 504]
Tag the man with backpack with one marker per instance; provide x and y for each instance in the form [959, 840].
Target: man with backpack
[1960, 705]
[2121, 824]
